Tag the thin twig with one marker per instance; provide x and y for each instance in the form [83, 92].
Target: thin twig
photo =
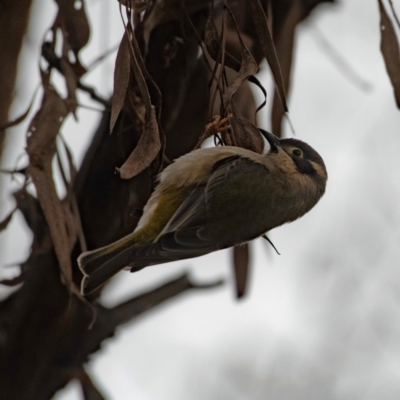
[100, 58]
[394, 13]
[342, 64]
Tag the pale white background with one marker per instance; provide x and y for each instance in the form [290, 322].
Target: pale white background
[322, 321]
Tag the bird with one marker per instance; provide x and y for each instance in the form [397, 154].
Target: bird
[211, 199]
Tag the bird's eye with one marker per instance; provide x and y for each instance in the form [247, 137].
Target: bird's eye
[297, 152]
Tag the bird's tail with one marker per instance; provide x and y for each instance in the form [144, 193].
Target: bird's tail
[100, 265]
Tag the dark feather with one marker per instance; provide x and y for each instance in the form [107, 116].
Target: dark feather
[191, 231]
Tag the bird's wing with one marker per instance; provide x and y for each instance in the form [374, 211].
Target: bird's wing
[192, 210]
[218, 213]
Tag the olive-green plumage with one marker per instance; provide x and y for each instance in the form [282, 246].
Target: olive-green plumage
[212, 199]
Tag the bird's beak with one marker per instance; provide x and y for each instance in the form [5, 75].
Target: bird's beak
[273, 141]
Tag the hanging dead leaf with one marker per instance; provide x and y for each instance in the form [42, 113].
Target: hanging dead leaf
[248, 68]
[169, 10]
[6, 221]
[284, 48]
[211, 38]
[41, 148]
[267, 44]
[146, 150]
[137, 5]
[241, 268]
[390, 51]
[12, 282]
[74, 20]
[247, 134]
[213, 46]
[256, 82]
[121, 80]
[71, 83]
[45, 127]
[149, 144]
[69, 203]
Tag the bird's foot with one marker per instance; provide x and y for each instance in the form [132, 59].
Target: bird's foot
[217, 125]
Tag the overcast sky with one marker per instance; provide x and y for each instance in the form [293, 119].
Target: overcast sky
[322, 320]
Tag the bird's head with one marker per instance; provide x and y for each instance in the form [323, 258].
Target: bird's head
[305, 158]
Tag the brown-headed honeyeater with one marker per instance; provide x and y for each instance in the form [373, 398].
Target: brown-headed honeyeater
[211, 199]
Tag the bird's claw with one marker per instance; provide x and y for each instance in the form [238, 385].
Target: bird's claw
[218, 125]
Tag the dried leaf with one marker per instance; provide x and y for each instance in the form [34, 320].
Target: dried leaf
[41, 148]
[137, 5]
[73, 204]
[75, 21]
[6, 221]
[71, 83]
[138, 67]
[146, 150]
[169, 10]
[247, 134]
[121, 80]
[213, 46]
[248, 68]
[12, 282]
[284, 48]
[71, 165]
[267, 44]
[149, 144]
[390, 51]
[45, 127]
[211, 38]
[241, 266]
[256, 82]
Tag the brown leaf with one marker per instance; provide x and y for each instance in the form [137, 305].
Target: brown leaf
[12, 282]
[284, 48]
[41, 148]
[213, 46]
[248, 68]
[137, 5]
[44, 128]
[390, 51]
[169, 10]
[121, 80]
[211, 38]
[138, 68]
[267, 44]
[149, 144]
[241, 266]
[75, 22]
[146, 150]
[71, 83]
[247, 134]
[6, 221]
[72, 205]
